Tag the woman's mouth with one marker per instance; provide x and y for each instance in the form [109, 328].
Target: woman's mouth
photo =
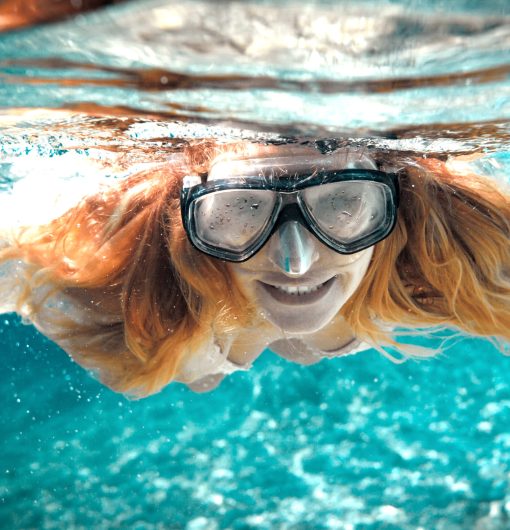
[298, 294]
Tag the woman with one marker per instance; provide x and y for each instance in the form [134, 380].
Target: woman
[187, 273]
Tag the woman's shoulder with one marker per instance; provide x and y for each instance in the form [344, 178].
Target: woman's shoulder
[11, 278]
[208, 359]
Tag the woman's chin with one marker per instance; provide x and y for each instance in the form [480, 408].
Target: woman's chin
[297, 324]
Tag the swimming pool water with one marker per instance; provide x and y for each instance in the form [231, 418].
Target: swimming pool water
[356, 443]
[349, 443]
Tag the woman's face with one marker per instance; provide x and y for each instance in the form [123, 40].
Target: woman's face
[297, 282]
[307, 298]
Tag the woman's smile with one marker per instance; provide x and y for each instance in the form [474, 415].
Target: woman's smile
[300, 294]
[301, 303]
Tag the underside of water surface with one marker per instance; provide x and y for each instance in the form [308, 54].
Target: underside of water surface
[96, 90]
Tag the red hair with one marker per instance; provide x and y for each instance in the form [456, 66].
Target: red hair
[123, 252]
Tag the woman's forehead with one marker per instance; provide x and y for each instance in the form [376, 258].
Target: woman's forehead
[283, 161]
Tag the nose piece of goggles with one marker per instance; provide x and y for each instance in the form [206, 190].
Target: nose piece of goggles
[292, 244]
[231, 218]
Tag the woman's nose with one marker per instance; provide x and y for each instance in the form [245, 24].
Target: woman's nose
[293, 249]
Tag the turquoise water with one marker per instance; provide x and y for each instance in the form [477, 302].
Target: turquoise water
[353, 443]
[356, 443]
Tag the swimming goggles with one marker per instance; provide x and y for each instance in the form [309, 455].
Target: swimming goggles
[234, 213]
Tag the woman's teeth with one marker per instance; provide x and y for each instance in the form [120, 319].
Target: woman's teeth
[295, 295]
[298, 290]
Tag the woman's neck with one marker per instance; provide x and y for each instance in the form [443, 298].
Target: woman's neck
[336, 334]
[250, 342]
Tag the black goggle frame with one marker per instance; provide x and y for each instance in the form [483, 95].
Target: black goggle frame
[290, 205]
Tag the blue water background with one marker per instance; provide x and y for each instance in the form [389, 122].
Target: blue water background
[352, 443]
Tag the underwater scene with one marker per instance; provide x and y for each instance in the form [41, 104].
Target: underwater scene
[92, 92]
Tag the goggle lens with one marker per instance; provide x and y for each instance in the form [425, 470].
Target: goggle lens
[349, 211]
[233, 219]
